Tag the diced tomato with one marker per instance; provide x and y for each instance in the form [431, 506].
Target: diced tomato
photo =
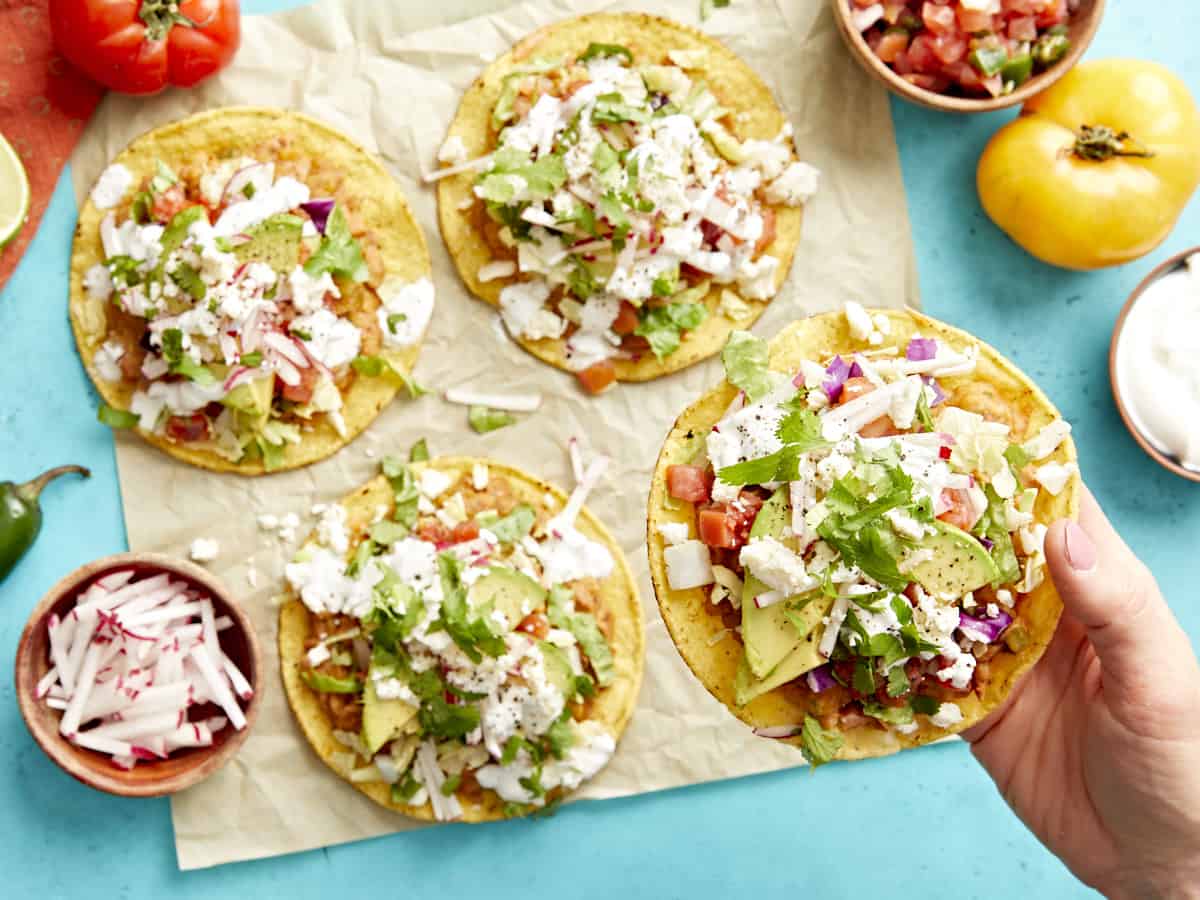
[935, 83]
[626, 320]
[854, 388]
[187, 429]
[959, 512]
[302, 392]
[536, 624]
[727, 525]
[1023, 28]
[1054, 13]
[973, 20]
[715, 528]
[768, 232]
[902, 64]
[691, 484]
[950, 48]
[966, 76]
[465, 531]
[430, 529]
[598, 376]
[864, 4]
[939, 19]
[891, 45]
[170, 202]
[920, 54]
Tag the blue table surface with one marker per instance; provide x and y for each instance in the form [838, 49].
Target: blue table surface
[926, 823]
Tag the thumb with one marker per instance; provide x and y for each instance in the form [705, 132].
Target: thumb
[1110, 592]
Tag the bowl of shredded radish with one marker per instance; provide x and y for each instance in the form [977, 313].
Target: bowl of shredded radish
[138, 674]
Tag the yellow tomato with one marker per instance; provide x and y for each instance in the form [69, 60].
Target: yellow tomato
[1098, 168]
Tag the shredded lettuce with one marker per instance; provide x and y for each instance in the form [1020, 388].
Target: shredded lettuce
[484, 419]
[818, 745]
[746, 359]
[404, 490]
[374, 366]
[513, 527]
[583, 625]
[116, 418]
[602, 51]
[419, 451]
[663, 326]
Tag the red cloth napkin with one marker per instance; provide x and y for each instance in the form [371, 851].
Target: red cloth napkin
[44, 104]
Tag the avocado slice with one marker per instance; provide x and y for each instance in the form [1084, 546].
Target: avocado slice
[804, 656]
[383, 720]
[511, 592]
[558, 668]
[766, 633]
[274, 241]
[252, 397]
[959, 564]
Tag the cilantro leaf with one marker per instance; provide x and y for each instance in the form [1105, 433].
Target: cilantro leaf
[473, 637]
[924, 705]
[338, 253]
[188, 280]
[179, 363]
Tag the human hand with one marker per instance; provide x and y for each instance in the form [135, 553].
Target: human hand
[1098, 747]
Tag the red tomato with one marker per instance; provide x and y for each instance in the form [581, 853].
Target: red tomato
[302, 392]
[939, 19]
[170, 202]
[690, 484]
[465, 531]
[891, 45]
[142, 46]
[598, 376]
[727, 526]
[430, 529]
[920, 54]
[626, 320]
[1023, 29]
[187, 429]
[1053, 13]
[971, 20]
[950, 48]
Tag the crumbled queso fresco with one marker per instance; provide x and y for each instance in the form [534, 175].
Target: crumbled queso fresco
[883, 502]
[616, 185]
[480, 599]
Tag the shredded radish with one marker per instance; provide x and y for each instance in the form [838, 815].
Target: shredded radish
[507, 402]
[471, 166]
[576, 456]
[130, 661]
[591, 477]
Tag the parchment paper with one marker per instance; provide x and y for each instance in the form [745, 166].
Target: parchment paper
[363, 67]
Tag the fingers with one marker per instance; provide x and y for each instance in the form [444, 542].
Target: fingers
[1108, 590]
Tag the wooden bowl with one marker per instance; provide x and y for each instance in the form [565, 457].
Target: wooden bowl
[184, 767]
[1172, 465]
[1081, 29]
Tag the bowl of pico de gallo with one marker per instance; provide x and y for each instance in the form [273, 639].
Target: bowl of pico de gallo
[968, 55]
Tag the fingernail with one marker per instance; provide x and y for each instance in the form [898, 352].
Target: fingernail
[1081, 552]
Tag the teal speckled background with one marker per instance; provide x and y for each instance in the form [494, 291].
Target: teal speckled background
[925, 824]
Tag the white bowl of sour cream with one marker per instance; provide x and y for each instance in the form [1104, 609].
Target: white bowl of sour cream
[1154, 364]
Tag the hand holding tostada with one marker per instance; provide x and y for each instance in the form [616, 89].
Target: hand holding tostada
[862, 540]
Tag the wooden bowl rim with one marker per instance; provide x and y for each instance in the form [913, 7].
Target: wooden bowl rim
[948, 103]
[1164, 268]
[61, 751]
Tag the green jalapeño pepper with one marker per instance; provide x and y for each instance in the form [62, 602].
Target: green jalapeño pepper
[21, 515]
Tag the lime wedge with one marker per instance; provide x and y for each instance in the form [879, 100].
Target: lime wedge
[14, 193]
